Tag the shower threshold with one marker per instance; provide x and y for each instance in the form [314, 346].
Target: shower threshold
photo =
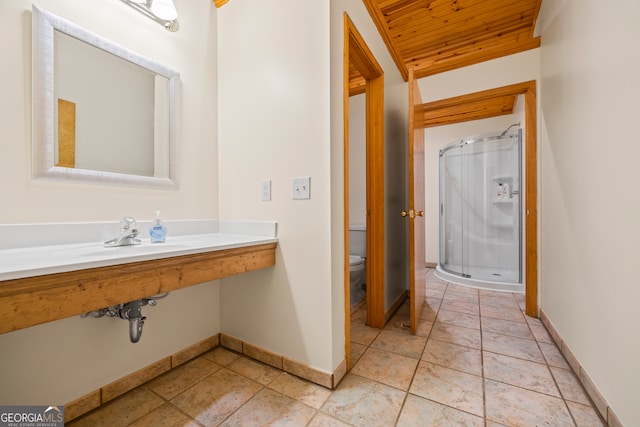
[484, 278]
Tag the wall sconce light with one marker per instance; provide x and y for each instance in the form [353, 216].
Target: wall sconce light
[162, 11]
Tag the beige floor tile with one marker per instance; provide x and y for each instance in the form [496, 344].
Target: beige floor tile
[498, 294]
[569, 386]
[514, 315]
[518, 372]
[254, 370]
[456, 335]
[434, 303]
[424, 328]
[402, 343]
[177, 380]
[400, 322]
[422, 412]
[386, 367]
[507, 327]
[324, 420]
[511, 346]
[122, 411]
[166, 415]
[221, 356]
[553, 355]
[360, 315]
[533, 320]
[216, 397]
[453, 356]
[270, 408]
[540, 333]
[471, 321]
[362, 402]
[461, 306]
[428, 313]
[435, 289]
[506, 301]
[363, 334]
[449, 386]
[585, 416]
[357, 350]
[452, 287]
[462, 297]
[514, 406]
[306, 392]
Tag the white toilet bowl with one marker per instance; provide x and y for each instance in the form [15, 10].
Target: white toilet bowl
[357, 274]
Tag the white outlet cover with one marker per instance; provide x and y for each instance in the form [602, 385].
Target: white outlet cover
[301, 188]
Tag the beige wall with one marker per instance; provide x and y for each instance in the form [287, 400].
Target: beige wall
[35, 363]
[280, 114]
[590, 198]
[357, 160]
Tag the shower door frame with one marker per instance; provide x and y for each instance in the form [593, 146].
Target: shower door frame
[457, 111]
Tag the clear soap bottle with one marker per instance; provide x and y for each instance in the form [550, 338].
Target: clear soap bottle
[158, 231]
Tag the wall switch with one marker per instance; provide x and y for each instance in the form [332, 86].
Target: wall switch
[265, 190]
[301, 188]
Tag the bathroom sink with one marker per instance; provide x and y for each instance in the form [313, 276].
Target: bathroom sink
[94, 250]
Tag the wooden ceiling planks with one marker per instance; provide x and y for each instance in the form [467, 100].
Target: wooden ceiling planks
[435, 36]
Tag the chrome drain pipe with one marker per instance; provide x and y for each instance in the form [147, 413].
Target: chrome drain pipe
[131, 311]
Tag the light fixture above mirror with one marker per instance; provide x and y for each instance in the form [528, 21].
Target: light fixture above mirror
[162, 11]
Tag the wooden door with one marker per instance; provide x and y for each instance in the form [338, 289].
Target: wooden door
[415, 215]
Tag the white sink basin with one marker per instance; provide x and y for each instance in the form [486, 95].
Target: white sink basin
[144, 248]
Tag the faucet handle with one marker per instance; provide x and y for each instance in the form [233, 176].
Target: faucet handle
[128, 222]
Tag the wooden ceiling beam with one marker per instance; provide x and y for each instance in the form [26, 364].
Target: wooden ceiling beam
[472, 110]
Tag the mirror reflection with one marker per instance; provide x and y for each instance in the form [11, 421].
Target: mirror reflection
[101, 112]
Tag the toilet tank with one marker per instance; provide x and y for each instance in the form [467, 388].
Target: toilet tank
[358, 240]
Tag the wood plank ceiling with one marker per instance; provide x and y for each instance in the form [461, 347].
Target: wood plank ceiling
[435, 36]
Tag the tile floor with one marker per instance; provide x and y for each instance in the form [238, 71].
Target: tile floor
[476, 360]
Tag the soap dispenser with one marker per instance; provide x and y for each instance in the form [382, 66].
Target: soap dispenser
[158, 231]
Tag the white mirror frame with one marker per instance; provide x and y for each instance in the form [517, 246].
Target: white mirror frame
[44, 25]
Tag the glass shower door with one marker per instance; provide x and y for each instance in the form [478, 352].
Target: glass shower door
[480, 208]
[493, 209]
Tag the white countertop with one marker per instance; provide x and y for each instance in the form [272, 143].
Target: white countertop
[184, 238]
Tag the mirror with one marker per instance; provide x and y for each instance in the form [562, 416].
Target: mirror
[101, 113]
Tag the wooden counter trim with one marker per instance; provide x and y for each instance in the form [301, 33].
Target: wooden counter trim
[34, 300]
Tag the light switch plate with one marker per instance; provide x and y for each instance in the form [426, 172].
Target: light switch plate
[265, 190]
[301, 188]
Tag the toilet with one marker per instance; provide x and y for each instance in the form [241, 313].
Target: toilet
[357, 268]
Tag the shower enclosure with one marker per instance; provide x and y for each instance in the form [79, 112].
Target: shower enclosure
[481, 212]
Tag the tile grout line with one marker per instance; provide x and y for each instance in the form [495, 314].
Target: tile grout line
[484, 382]
[408, 391]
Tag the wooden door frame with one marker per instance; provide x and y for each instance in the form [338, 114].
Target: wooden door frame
[528, 89]
[357, 53]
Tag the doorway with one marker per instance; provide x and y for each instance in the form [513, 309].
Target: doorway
[480, 105]
[358, 57]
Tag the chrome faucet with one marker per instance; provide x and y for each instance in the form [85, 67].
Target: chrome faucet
[128, 234]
